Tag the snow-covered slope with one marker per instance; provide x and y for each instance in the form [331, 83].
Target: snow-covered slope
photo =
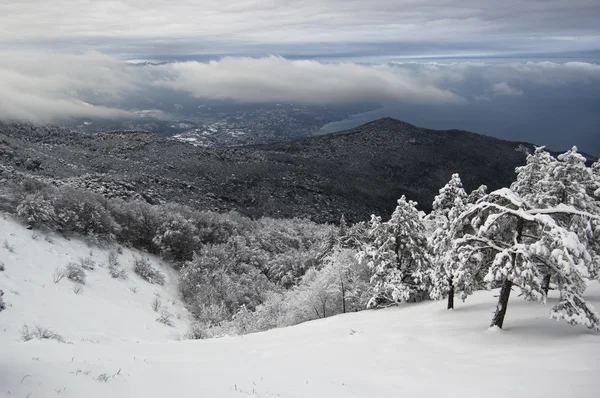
[107, 310]
[418, 350]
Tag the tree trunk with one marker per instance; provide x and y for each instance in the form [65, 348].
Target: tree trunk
[317, 311]
[498, 319]
[546, 283]
[343, 296]
[450, 294]
[502, 304]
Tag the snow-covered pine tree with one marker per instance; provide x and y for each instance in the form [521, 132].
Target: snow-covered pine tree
[450, 202]
[445, 201]
[477, 194]
[568, 180]
[572, 188]
[595, 185]
[526, 241]
[329, 244]
[545, 182]
[355, 236]
[399, 254]
[532, 178]
[467, 267]
[343, 226]
[534, 183]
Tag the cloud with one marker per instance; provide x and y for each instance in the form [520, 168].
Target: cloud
[183, 27]
[53, 87]
[48, 88]
[275, 79]
[503, 88]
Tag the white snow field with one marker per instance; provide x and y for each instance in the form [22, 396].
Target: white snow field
[115, 348]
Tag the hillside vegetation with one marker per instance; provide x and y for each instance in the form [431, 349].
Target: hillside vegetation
[355, 173]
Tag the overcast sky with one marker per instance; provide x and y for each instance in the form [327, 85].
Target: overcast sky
[130, 28]
[66, 58]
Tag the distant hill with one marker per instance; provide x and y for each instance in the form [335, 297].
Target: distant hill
[356, 173]
[367, 168]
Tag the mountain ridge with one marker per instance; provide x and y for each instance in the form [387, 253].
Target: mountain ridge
[358, 172]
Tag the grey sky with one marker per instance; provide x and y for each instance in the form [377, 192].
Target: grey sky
[130, 28]
[61, 59]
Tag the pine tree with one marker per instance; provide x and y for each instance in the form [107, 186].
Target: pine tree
[594, 187]
[445, 201]
[545, 182]
[568, 180]
[525, 241]
[477, 194]
[329, 244]
[532, 178]
[399, 254]
[355, 236]
[343, 230]
[450, 202]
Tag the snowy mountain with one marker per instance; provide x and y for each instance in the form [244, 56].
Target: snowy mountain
[114, 347]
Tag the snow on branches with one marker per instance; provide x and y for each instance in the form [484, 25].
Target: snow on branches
[450, 202]
[528, 243]
[398, 252]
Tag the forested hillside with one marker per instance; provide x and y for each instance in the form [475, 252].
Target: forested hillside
[241, 275]
[355, 173]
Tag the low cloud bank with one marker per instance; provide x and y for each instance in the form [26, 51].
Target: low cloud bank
[48, 88]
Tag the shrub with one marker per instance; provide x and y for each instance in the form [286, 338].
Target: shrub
[2, 304]
[138, 223]
[176, 236]
[244, 321]
[78, 288]
[87, 263]
[36, 210]
[118, 273]
[103, 378]
[114, 268]
[197, 331]
[39, 332]
[83, 212]
[1, 266]
[156, 304]
[58, 275]
[75, 273]
[165, 317]
[143, 268]
[8, 246]
[113, 258]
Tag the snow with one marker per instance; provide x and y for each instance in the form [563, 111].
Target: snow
[414, 350]
[107, 310]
